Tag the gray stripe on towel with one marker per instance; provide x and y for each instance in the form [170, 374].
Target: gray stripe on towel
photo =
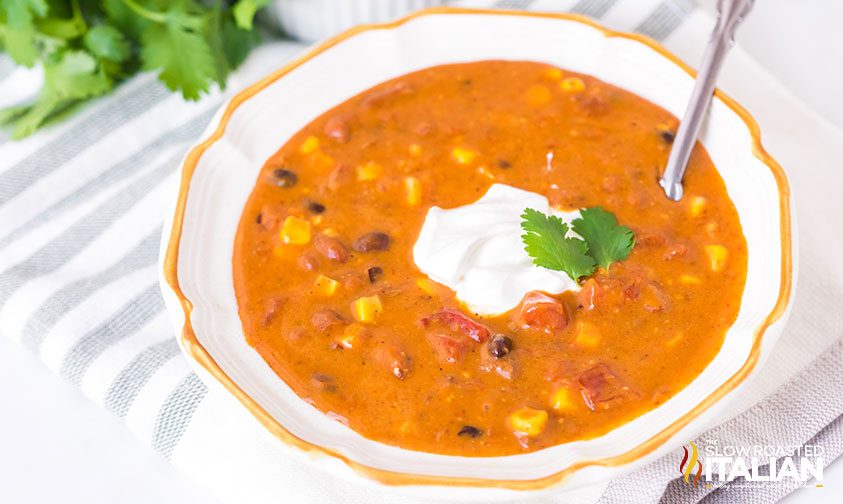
[126, 321]
[133, 377]
[72, 295]
[593, 8]
[85, 230]
[113, 174]
[105, 118]
[175, 414]
[665, 18]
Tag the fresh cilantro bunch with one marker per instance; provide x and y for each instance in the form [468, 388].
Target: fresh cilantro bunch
[85, 47]
[603, 241]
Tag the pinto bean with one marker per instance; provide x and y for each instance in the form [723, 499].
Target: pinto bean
[340, 176]
[307, 262]
[323, 382]
[381, 95]
[371, 242]
[331, 248]
[393, 358]
[601, 387]
[337, 128]
[325, 319]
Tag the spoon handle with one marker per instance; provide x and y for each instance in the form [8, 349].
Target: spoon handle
[731, 13]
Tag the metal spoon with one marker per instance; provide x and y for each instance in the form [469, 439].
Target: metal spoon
[730, 15]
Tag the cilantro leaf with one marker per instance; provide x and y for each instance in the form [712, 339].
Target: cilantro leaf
[85, 48]
[182, 55]
[545, 242]
[607, 241]
[19, 30]
[244, 12]
[106, 42]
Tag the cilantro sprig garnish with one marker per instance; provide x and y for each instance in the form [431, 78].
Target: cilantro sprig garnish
[603, 241]
[85, 48]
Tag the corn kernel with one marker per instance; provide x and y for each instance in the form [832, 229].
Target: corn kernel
[295, 231]
[364, 309]
[562, 399]
[463, 156]
[415, 150]
[588, 335]
[412, 190]
[326, 285]
[369, 171]
[697, 206]
[717, 255]
[427, 286]
[528, 421]
[553, 73]
[538, 95]
[572, 85]
[309, 145]
[689, 280]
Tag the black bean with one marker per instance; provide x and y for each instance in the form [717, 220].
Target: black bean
[470, 431]
[315, 207]
[499, 346]
[667, 136]
[284, 178]
[375, 274]
[371, 242]
[503, 163]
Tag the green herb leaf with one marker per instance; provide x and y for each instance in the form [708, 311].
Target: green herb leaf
[607, 241]
[19, 30]
[244, 12]
[545, 242]
[106, 42]
[183, 55]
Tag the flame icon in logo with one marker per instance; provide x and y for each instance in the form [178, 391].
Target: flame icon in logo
[686, 467]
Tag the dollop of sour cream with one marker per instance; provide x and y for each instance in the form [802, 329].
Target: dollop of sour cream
[476, 250]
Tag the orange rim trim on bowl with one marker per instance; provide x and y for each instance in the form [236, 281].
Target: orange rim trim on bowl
[191, 343]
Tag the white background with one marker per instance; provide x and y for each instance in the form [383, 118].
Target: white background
[56, 447]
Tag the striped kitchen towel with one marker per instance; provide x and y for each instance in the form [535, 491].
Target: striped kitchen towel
[81, 205]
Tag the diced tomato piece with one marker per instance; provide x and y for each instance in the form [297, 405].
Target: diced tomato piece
[447, 347]
[458, 322]
[601, 387]
[542, 312]
[591, 295]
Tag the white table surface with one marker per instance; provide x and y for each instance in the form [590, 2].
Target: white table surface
[56, 447]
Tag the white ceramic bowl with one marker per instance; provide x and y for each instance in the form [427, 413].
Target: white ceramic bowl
[219, 174]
